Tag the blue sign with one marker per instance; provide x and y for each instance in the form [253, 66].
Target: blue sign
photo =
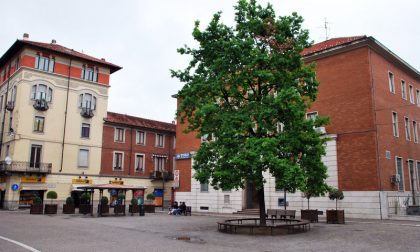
[185, 155]
[15, 187]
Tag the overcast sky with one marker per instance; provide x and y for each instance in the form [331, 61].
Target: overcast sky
[142, 36]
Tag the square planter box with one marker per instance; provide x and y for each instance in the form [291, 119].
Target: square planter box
[37, 209]
[68, 209]
[133, 209]
[335, 216]
[119, 209]
[85, 209]
[50, 209]
[309, 214]
[103, 209]
[149, 208]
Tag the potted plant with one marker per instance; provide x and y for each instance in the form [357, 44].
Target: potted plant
[51, 208]
[335, 216]
[120, 207]
[37, 206]
[133, 207]
[149, 207]
[69, 207]
[103, 207]
[85, 206]
[309, 214]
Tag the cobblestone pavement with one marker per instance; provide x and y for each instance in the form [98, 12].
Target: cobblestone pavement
[159, 232]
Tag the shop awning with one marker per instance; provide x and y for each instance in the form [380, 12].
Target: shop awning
[75, 188]
[34, 188]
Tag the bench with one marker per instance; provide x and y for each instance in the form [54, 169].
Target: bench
[281, 214]
[187, 211]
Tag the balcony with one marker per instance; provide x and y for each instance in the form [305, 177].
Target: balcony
[87, 112]
[157, 175]
[26, 167]
[10, 105]
[41, 104]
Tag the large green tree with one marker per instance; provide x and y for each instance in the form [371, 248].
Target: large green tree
[247, 87]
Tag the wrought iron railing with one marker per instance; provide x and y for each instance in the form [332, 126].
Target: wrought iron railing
[41, 104]
[398, 203]
[33, 167]
[158, 175]
[87, 112]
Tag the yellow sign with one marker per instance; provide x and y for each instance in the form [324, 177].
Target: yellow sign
[117, 182]
[2, 180]
[32, 179]
[81, 181]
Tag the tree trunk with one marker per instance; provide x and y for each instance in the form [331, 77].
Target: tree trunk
[308, 203]
[261, 201]
[285, 200]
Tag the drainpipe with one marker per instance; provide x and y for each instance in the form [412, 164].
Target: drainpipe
[376, 135]
[5, 110]
[65, 117]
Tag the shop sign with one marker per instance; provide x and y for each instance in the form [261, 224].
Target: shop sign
[176, 179]
[186, 155]
[139, 193]
[117, 182]
[32, 179]
[81, 181]
[3, 180]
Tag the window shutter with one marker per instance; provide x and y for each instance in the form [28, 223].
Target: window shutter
[83, 158]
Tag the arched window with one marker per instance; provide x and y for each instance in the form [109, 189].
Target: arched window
[41, 92]
[87, 100]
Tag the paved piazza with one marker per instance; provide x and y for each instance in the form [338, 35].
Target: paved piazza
[158, 232]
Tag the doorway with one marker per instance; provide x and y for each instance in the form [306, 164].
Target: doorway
[251, 196]
[2, 195]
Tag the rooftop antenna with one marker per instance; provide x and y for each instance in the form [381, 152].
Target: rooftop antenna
[326, 28]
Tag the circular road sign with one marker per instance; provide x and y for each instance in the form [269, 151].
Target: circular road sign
[15, 187]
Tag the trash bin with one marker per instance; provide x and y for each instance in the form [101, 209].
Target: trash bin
[141, 210]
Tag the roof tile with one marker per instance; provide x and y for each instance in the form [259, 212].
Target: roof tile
[139, 122]
[330, 43]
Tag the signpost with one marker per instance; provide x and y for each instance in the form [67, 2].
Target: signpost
[15, 187]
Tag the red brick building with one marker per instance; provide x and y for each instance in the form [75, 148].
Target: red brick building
[373, 100]
[135, 147]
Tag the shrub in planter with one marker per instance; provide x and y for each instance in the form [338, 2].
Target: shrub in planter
[85, 206]
[103, 207]
[51, 208]
[69, 208]
[335, 216]
[309, 214]
[120, 208]
[134, 207]
[149, 207]
[37, 207]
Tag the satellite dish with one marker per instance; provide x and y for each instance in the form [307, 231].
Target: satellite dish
[8, 160]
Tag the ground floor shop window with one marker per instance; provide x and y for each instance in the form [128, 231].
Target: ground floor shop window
[26, 197]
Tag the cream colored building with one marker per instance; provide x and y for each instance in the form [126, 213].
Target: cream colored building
[53, 101]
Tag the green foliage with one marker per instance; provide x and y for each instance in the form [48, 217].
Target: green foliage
[69, 201]
[336, 194]
[134, 202]
[150, 196]
[51, 195]
[37, 201]
[121, 196]
[85, 197]
[248, 87]
[104, 200]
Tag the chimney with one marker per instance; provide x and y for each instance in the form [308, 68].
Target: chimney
[53, 41]
[173, 122]
[103, 59]
[25, 36]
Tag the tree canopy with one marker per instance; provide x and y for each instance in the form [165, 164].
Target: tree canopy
[246, 91]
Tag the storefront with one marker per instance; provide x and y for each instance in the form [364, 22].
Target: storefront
[76, 193]
[30, 188]
[2, 193]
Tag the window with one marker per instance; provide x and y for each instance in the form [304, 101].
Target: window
[35, 159]
[160, 163]
[311, 115]
[204, 187]
[160, 140]
[415, 132]
[226, 199]
[174, 139]
[119, 135]
[411, 93]
[44, 63]
[118, 161]
[90, 73]
[418, 173]
[395, 124]
[399, 167]
[1, 103]
[87, 100]
[39, 124]
[17, 63]
[83, 158]
[13, 96]
[85, 130]
[403, 90]
[141, 137]
[139, 162]
[208, 137]
[418, 97]
[391, 82]
[41, 92]
[407, 129]
[411, 170]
